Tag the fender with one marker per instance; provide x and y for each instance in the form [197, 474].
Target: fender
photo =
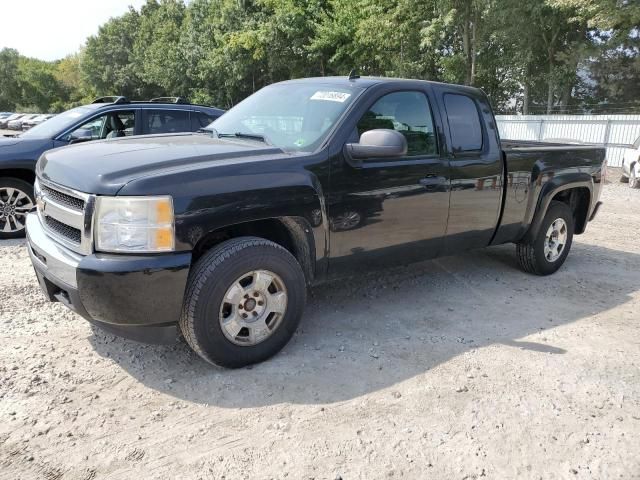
[549, 190]
[298, 208]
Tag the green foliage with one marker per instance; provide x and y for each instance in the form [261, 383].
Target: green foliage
[532, 56]
[9, 86]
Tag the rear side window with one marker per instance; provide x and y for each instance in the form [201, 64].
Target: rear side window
[464, 123]
[201, 120]
[168, 121]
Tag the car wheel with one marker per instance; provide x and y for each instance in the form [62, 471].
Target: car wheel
[634, 180]
[16, 201]
[346, 221]
[243, 302]
[548, 251]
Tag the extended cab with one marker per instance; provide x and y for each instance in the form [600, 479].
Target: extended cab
[219, 233]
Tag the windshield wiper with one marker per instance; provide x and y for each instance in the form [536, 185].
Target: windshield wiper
[251, 136]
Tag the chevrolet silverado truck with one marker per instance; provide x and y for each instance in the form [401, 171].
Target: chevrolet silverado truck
[218, 234]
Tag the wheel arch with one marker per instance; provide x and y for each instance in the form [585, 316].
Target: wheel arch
[23, 174]
[577, 195]
[292, 233]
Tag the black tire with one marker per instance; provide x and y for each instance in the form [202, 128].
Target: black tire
[17, 185]
[531, 255]
[208, 282]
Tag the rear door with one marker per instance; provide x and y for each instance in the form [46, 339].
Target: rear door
[476, 168]
[169, 120]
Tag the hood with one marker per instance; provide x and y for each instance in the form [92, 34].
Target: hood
[23, 148]
[8, 141]
[104, 167]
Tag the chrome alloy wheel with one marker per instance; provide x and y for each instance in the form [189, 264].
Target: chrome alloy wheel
[253, 308]
[14, 206]
[346, 221]
[555, 240]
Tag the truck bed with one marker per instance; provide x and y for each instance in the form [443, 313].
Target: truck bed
[533, 168]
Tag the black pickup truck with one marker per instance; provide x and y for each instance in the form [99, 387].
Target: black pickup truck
[219, 233]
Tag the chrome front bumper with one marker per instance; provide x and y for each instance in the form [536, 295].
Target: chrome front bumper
[135, 296]
[49, 256]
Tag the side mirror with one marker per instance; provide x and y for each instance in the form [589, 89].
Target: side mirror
[378, 143]
[80, 135]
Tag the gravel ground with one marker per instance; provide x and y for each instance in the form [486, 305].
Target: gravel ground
[462, 367]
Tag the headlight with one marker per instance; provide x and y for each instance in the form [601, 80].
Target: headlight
[134, 224]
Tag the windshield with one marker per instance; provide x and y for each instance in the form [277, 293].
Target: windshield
[292, 116]
[56, 124]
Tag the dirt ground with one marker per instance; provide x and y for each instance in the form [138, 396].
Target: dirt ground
[462, 367]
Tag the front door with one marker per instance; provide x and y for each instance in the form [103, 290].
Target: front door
[390, 211]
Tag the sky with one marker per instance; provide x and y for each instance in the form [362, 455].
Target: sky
[52, 29]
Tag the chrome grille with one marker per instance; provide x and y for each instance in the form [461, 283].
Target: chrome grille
[62, 198]
[72, 234]
[66, 215]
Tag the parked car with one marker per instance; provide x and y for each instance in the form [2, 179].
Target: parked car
[5, 115]
[217, 233]
[4, 122]
[105, 118]
[631, 165]
[27, 124]
[16, 124]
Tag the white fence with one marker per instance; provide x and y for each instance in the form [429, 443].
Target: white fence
[616, 132]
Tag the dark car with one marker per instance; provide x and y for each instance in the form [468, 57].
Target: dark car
[105, 118]
[220, 233]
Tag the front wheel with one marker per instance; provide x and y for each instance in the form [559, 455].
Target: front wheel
[243, 302]
[546, 253]
[16, 201]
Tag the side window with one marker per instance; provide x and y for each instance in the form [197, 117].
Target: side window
[464, 123]
[407, 113]
[110, 125]
[201, 120]
[167, 121]
[95, 126]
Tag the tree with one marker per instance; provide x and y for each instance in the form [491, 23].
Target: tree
[9, 86]
[539, 55]
[38, 85]
[108, 63]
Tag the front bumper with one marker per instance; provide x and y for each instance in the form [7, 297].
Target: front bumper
[135, 296]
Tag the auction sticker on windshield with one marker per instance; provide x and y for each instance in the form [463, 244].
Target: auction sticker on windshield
[331, 96]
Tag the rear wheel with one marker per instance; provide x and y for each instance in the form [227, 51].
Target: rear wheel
[546, 253]
[243, 302]
[16, 200]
